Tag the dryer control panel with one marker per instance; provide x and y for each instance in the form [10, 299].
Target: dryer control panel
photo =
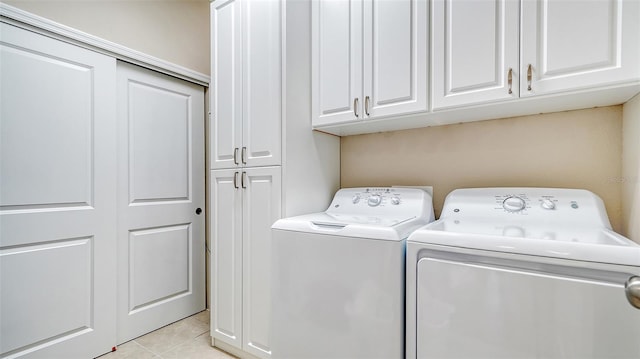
[531, 205]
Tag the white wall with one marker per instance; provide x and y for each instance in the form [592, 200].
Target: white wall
[572, 149]
[631, 169]
[172, 30]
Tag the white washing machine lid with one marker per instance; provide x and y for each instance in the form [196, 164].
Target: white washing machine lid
[353, 225]
[584, 244]
[385, 213]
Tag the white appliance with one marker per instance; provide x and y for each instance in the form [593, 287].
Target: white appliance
[339, 276]
[522, 273]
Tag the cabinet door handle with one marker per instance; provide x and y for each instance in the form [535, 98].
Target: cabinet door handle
[355, 107]
[235, 155]
[235, 180]
[244, 175]
[529, 75]
[510, 80]
[366, 105]
[244, 155]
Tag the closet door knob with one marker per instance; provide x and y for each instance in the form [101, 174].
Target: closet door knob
[510, 80]
[529, 76]
[198, 211]
[235, 155]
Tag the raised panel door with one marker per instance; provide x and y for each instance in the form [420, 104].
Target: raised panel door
[336, 61]
[226, 256]
[261, 208]
[394, 57]
[225, 128]
[160, 187]
[262, 82]
[475, 52]
[57, 204]
[571, 47]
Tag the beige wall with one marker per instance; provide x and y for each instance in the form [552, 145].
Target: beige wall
[631, 169]
[574, 149]
[172, 30]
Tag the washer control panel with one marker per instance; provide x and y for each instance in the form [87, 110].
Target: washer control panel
[527, 204]
[380, 200]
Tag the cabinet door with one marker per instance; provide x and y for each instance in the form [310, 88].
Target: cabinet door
[395, 57]
[574, 46]
[262, 82]
[475, 46]
[262, 207]
[336, 61]
[226, 256]
[57, 202]
[225, 127]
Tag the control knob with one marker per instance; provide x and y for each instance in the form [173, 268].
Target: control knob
[395, 200]
[548, 204]
[514, 204]
[374, 200]
[355, 199]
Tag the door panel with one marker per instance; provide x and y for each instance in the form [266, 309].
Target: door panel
[261, 208]
[573, 47]
[567, 311]
[262, 84]
[161, 184]
[226, 256]
[158, 253]
[155, 133]
[395, 57]
[336, 56]
[226, 84]
[463, 72]
[57, 209]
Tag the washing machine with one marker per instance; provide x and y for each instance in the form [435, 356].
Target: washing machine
[338, 277]
[522, 273]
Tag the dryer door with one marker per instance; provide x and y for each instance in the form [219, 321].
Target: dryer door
[473, 306]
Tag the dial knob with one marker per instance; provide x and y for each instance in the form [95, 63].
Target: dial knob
[374, 200]
[355, 199]
[395, 200]
[514, 204]
[547, 204]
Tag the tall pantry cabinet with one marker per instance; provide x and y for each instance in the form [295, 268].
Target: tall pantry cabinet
[265, 161]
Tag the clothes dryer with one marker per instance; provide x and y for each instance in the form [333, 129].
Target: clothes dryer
[338, 277]
[522, 273]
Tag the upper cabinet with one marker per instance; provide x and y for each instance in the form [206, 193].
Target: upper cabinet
[482, 52]
[369, 59]
[246, 99]
[474, 52]
[571, 46]
[487, 59]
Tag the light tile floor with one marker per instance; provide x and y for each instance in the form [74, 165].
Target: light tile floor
[185, 339]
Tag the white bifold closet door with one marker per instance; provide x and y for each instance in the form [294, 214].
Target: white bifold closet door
[57, 202]
[161, 219]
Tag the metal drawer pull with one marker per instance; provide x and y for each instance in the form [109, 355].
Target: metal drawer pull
[529, 75]
[235, 180]
[632, 290]
[244, 155]
[510, 80]
[244, 175]
[366, 105]
[235, 155]
[355, 107]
